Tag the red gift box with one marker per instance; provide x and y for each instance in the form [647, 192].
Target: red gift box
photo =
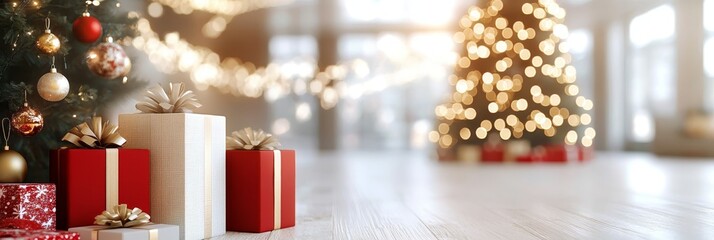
[492, 153]
[561, 153]
[585, 153]
[37, 235]
[90, 181]
[529, 158]
[34, 202]
[445, 155]
[256, 202]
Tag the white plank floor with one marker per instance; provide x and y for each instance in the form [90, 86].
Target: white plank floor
[407, 196]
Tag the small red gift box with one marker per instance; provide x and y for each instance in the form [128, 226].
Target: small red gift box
[37, 235]
[529, 158]
[561, 153]
[90, 181]
[33, 202]
[260, 190]
[492, 153]
[585, 153]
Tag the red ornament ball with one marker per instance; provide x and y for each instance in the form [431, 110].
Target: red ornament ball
[87, 29]
[107, 60]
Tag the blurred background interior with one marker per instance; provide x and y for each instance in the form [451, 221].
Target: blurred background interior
[646, 65]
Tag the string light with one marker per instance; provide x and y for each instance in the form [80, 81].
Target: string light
[206, 68]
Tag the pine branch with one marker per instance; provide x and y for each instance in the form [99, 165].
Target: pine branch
[21, 65]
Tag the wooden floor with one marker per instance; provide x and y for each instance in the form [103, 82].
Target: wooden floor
[407, 196]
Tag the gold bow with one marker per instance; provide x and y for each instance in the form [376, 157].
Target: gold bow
[120, 216]
[249, 139]
[97, 135]
[176, 100]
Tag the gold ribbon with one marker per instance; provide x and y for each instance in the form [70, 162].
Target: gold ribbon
[249, 139]
[207, 186]
[120, 216]
[112, 178]
[176, 100]
[277, 187]
[96, 134]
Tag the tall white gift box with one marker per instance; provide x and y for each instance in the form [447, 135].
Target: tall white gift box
[188, 162]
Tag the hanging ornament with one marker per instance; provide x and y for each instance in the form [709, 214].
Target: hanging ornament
[48, 43]
[27, 121]
[13, 166]
[108, 60]
[87, 29]
[53, 86]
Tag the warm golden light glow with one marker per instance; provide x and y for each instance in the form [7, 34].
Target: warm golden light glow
[481, 133]
[493, 107]
[571, 138]
[486, 124]
[465, 133]
[444, 128]
[434, 136]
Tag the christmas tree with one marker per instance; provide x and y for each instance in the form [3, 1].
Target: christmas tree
[514, 79]
[28, 51]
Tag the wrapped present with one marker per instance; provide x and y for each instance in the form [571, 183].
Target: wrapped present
[535, 156]
[561, 153]
[585, 153]
[516, 148]
[37, 234]
[492, 153]
[27, 205]
[445, 154]
[468, 153]
[260, 183]
[122, 223]
[98, 176]
[188, 161]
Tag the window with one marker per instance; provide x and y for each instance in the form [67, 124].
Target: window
[709, 55]
[292, 117]
[395, 67]
[651, 71]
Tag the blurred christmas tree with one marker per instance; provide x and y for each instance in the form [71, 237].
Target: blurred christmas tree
[514, 79]
[27, 52]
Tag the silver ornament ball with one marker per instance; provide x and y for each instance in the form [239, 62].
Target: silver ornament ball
[53, 86]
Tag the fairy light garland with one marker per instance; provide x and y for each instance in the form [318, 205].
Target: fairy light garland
[244, 79]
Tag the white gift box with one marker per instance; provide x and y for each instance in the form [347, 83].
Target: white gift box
[188, 162]
[516, 148]
[143, 232]
[468, 153]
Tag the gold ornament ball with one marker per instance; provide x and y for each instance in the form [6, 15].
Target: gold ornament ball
[53, 86]
[13, 167]
[27, 121]
[48, 43]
